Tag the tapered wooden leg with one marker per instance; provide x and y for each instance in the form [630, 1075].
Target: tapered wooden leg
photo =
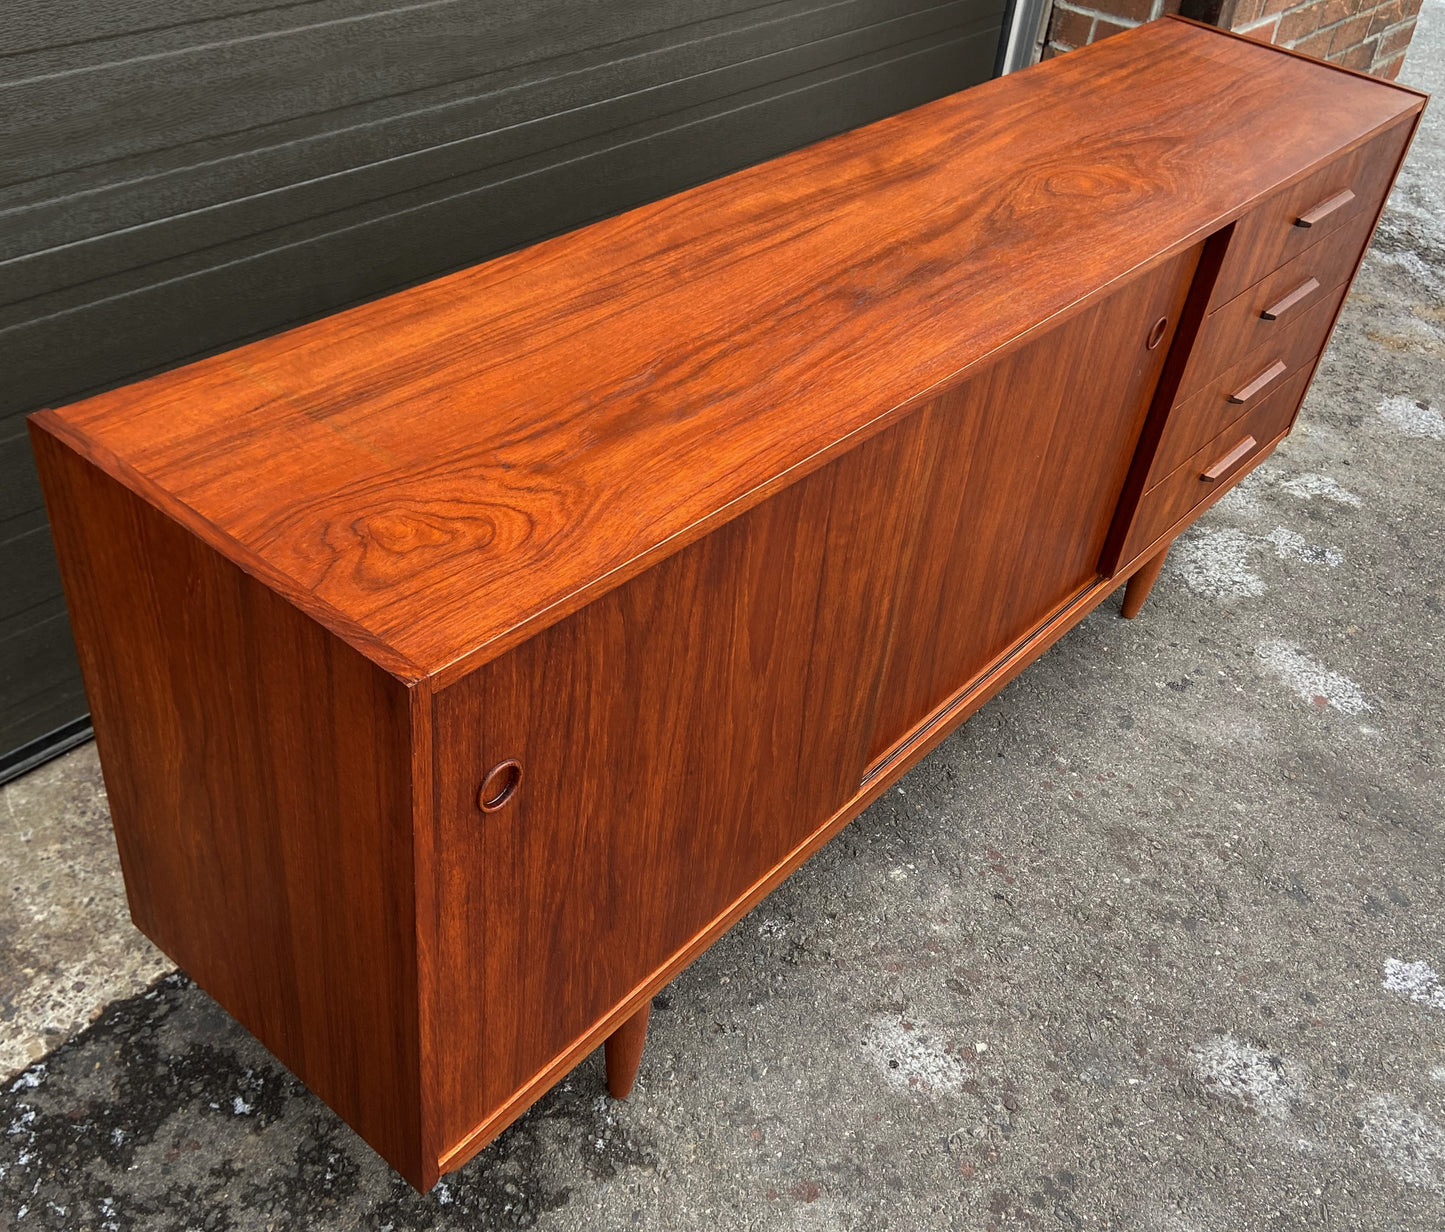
[1143, 582]
[623, 1050]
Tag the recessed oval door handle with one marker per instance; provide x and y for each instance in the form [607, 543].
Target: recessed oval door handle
[1266, 378]
[1324, 209]
[1230, 460]
[499, 785]
[1156, 335]
[1302, 292]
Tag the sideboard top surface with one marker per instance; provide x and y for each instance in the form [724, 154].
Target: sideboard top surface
[437, 474]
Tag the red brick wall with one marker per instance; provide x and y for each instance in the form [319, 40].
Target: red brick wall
[1370, 35]
[1073, 25]
[1356, 33]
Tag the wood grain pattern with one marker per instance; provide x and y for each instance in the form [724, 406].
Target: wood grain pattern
[1195, 479]
[638, 822]
[680, 736]
[1291, 300]
[427, 466]
[1137, 559]
[1142, 583]
[1269, 238]
[1225, 463]
[1240, 326]
[259, 782]
[624, 1053]
[1028, 647]
[711, 520]
[1204, 415]
[1015, 506]
[1317, 214]
[1259, 384]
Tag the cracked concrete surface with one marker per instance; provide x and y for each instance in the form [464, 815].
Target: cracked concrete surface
[1154, 942]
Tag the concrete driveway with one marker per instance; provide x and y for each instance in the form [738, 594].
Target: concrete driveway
[1154, 942]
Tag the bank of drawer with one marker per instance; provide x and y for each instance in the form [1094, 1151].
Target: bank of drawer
[1234, 392]
[1263, 313]
[1215, 466]
[1345, 189]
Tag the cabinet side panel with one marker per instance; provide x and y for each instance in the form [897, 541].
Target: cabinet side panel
[259, 778]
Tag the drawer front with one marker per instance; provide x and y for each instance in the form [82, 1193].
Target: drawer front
[1234, 392]
[1263, 313]
[1275, 231]
[1214, 467]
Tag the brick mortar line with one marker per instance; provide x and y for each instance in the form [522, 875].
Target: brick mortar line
[1096, 14]
[1275, 17]
[1274, 20]
[1071, 6]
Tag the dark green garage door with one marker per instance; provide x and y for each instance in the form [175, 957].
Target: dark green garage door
[177, 176]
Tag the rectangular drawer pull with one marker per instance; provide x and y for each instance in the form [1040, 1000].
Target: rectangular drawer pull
[1324, 209]
[1302, 292]
[1263, 380]
[1226, 463]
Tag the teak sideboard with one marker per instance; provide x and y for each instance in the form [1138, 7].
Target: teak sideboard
[464, 663]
